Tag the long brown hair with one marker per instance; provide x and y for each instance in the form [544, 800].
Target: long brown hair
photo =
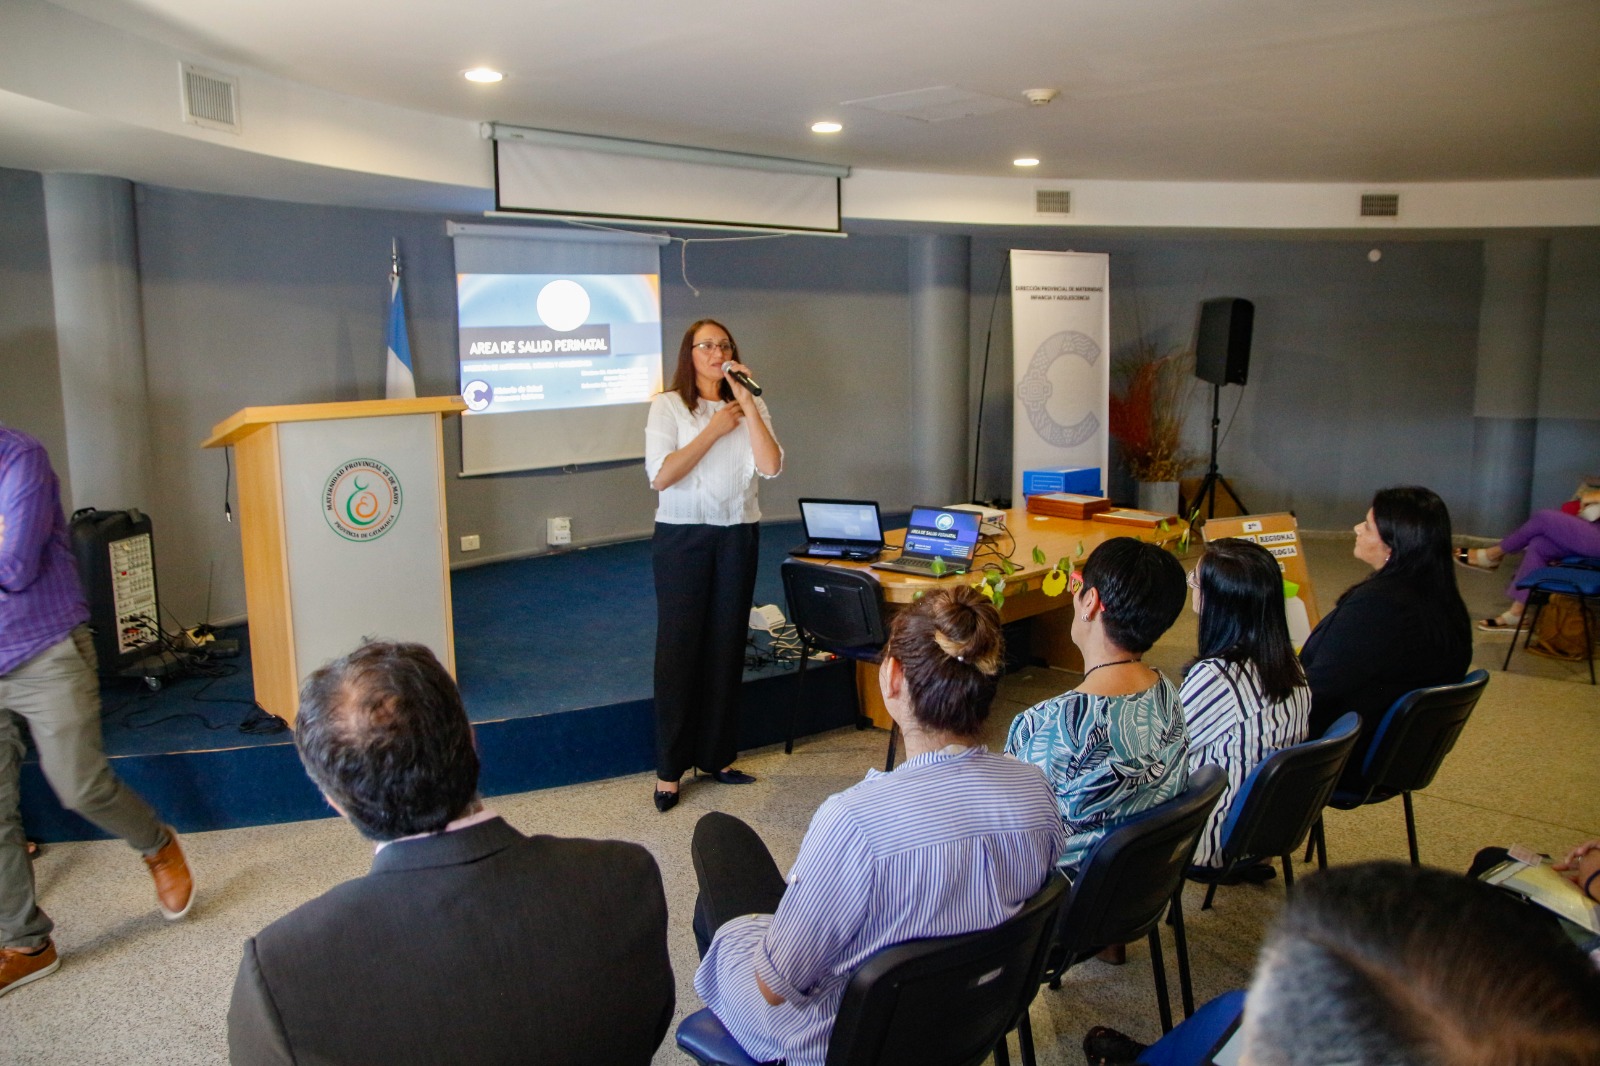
[950, 647]
[683, 379]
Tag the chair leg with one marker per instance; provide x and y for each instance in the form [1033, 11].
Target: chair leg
[1411, 829]
[1512, 647]
[799, 692]
[1588, 637]
[1180, 938]
[1319, 838]
[888, 762]
[1002, 1054]
[1024, 1043]
[1211, 892]
[1288, 872]
[1159, 969]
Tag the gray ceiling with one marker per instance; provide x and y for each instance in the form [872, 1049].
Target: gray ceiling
[1228, 90]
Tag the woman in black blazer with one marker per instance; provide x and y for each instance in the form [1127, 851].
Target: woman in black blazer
[1405, 627]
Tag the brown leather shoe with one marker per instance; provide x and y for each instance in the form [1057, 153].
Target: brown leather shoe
[174, 882]
[17, 967]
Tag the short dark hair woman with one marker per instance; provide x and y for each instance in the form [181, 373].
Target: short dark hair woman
[1405, 627]
[708, 442]
[955, 840]
[1113, 746]
[1244, 694]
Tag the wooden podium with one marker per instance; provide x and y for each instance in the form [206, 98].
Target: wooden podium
[342, 518]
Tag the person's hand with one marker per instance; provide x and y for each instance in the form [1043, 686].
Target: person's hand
[726, 420]
[1582, 864]
[740, 393]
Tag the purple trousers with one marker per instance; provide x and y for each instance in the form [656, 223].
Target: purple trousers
[1546, 537]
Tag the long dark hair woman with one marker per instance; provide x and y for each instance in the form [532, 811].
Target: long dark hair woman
[708, 442]
[1405, 627]
[1244, 695]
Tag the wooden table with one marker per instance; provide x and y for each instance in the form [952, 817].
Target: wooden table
[1051, 638]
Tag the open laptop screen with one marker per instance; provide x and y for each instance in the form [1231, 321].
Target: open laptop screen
[947, 534]
[846, 521]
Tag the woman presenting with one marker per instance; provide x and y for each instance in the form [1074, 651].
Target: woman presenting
[706, 442]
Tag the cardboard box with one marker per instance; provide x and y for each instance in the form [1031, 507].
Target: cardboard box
[1077, 479]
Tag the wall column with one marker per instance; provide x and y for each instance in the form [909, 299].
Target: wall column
[94, 271]
[938, 281]
[1505, 403]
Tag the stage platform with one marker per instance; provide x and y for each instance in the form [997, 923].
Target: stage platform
[554, 655]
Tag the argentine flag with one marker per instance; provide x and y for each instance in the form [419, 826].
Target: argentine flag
[401, 382]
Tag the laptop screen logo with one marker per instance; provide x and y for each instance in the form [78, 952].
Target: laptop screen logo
[944, 521]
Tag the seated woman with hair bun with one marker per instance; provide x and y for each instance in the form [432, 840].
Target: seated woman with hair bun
[954, 840]
[1115, 745]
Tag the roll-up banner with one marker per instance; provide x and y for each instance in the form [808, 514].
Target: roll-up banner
[1061, 358]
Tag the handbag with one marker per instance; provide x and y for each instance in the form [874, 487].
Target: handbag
[1558, 629]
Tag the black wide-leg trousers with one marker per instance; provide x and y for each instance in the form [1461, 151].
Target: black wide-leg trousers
[705, 577]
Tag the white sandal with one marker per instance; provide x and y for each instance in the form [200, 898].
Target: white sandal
[1475, 559]
[1500, 623]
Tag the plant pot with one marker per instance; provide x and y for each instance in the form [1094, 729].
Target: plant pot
[1160, 496]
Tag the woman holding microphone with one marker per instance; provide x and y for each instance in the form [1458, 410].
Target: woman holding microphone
[707, 441]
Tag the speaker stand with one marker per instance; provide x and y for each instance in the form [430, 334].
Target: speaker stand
[1214, 480]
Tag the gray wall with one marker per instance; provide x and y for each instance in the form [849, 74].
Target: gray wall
[1361, 374]
[30, 379]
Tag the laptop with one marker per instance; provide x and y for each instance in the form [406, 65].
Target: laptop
[936, 533]
[840, 529]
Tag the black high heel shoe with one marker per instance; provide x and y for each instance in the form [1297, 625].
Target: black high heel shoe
[665, 801]
[731, 776]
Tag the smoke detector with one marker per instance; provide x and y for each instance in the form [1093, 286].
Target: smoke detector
[1040, 97]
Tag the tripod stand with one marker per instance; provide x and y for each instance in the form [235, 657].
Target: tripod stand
[1209, 485]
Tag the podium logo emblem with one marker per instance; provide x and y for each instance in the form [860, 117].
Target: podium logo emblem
[361, 500]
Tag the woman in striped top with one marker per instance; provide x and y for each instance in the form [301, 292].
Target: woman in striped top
[955, 840]
[1244, 695]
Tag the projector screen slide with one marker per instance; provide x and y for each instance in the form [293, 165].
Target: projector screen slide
[558, 347]
[542, 342]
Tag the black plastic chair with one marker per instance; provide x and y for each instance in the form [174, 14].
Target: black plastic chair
[1279, 802]
[943, 1002]
[1576, 575]
[1406, 750]
[1126, 884]
[838, 610]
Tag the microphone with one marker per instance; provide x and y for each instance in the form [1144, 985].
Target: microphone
[742, 378]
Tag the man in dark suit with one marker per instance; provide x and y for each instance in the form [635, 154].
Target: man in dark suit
[468, 942]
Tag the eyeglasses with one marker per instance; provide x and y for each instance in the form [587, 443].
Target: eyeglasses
[713, 346]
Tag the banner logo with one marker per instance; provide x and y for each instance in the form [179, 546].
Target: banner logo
[1035, 390]
[361, 500]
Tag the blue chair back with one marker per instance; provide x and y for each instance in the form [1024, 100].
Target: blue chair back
[1411, 741]
[835, 608]
[1129, 877]
[1283, 797]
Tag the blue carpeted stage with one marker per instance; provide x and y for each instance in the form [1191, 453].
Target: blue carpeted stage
[554, 655]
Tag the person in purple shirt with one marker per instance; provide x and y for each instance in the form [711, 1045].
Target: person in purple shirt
[48, 679]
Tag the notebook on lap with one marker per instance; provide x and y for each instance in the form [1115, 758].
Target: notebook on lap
[951, 537]
[840, 529]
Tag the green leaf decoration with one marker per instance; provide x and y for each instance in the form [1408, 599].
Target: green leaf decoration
[917, 595]
[1080, 550]
[938, 567]
[1008, 566]
[1038, 555]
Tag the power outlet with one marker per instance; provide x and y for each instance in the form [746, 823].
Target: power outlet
[558, 531]
[470, 543]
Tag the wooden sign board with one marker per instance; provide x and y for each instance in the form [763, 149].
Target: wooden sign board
[1280, 535]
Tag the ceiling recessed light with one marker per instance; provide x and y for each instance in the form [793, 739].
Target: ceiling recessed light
[1025, 161]
[825, 127]
[483, 75]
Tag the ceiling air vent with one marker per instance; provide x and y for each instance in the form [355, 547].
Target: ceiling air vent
[1380, 205]
[1052, 201]
[210, 99]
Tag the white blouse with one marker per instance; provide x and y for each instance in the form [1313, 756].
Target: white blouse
[721, 489]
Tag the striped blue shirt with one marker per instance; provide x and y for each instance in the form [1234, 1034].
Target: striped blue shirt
[1233, 725]
[41, 599]
[946, 844]
[1106, 757]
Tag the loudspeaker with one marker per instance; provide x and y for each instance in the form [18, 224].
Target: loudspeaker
[1222, 343]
